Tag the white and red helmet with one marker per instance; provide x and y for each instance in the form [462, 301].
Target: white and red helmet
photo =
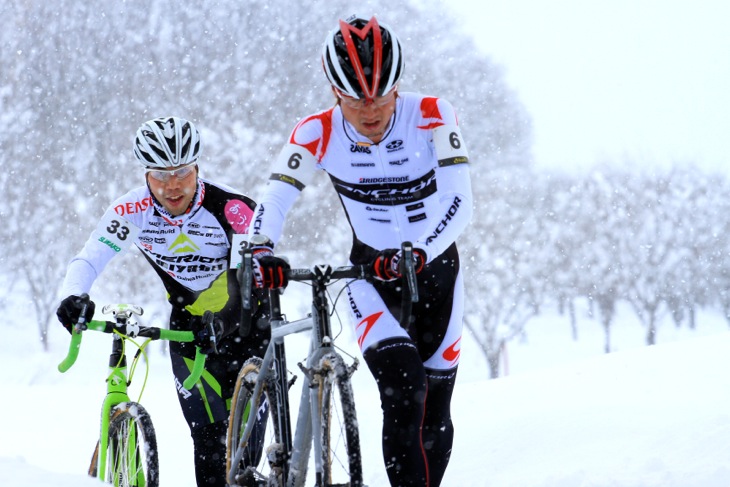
[362, 58]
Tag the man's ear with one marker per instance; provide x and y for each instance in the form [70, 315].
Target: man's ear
[334, 93]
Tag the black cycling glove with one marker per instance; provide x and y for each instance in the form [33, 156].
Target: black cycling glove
[208, 330]
[69, 311]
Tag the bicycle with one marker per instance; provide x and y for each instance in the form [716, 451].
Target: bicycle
[263, 388]
[126, 452]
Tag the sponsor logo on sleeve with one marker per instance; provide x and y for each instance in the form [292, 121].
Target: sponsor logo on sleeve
[238, 215]
[453, 209]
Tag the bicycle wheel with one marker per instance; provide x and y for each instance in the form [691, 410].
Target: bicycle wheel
[251, 471]
[341, 459]
[132, 455]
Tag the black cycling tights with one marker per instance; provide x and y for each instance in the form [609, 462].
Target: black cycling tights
[209, 449]
[417, 428]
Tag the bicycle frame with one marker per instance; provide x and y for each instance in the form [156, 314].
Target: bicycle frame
[321, 344]
[308, 428]
[116, 393]
[123, 328]
[297, 448]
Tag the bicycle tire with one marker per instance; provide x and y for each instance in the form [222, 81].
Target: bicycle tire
[338, 420]
[253, 470]
[132, 458]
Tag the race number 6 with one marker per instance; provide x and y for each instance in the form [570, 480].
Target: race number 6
[454, 140]
[449, 145]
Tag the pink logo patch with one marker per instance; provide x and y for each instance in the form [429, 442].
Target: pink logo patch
[238, 215]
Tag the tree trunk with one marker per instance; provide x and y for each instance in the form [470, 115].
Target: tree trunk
[651, 332]
[573, 320]
[493, 357]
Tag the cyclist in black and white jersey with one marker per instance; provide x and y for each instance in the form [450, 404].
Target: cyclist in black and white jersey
[400, 168]
[184, 226]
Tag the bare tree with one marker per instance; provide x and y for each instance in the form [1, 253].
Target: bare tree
[505, 271]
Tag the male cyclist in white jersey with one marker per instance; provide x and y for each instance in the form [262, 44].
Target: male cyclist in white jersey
[400, 168]
[183, 225]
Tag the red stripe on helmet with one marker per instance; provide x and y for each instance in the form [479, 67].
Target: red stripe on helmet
[347, 31]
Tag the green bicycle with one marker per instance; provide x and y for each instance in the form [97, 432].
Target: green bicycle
[126, 453]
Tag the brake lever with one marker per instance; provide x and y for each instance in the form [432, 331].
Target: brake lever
[246, 284]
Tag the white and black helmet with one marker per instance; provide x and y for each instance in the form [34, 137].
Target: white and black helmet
[362, 58]
[167, 142]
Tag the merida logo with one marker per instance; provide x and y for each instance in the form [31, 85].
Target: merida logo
[183, 244]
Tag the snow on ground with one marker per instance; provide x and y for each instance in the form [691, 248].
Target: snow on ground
[566, 416]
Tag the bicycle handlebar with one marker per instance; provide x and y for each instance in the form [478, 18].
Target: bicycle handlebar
[326, 273]
[134, 330]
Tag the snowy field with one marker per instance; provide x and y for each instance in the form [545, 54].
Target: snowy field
[566, 416]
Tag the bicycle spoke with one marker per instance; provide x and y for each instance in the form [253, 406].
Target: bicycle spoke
[341, 461]
[132, 457]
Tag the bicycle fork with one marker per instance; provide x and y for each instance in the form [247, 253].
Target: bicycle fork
[116, 394]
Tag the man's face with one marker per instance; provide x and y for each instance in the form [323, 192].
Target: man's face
[174, 189]
[369, 117]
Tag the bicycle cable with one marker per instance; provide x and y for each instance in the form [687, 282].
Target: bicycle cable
[335, 313]
[121, 357]
[141, 350]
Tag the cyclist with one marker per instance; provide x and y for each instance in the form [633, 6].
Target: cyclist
[185, 225]
[400, 169]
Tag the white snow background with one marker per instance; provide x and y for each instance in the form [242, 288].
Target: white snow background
[567, 415]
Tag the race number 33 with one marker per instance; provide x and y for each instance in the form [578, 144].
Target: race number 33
[116, 232]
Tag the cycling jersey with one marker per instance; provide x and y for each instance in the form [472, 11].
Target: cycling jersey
[413, 185]
[189, 252]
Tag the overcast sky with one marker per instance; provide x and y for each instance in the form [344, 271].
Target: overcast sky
[602, 80]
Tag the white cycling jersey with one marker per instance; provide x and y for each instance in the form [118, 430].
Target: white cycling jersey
[413, 185]
[190, 252]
